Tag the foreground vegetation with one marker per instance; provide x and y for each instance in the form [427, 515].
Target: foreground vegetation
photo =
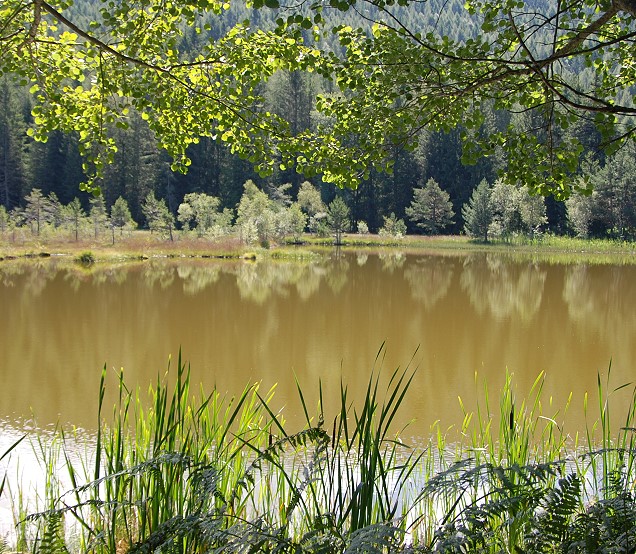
[209, 473]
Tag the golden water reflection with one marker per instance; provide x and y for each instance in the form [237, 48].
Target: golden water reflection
[324, 319]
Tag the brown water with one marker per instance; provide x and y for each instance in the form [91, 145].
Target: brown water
[239, 322]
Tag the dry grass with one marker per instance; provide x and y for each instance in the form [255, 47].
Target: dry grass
[144, 244]
[135, 245]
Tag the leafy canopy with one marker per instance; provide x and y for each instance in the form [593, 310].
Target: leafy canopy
[388, 81]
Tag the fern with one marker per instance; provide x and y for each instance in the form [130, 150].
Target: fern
[608, 525]
[552, 524]
[489, 499]
[52, 540]
[323, 538]
[377, 538]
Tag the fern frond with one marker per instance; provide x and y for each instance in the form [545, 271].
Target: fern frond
[375, 539]
[52, 539]
[550, 528]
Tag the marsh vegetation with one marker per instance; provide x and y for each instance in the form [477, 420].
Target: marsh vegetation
[197, 472]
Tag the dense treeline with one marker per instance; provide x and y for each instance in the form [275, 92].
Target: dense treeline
[140, 168]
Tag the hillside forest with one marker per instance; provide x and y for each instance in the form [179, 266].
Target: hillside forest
[429, 191]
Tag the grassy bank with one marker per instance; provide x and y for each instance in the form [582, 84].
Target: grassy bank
[197, 472]
[143, 244]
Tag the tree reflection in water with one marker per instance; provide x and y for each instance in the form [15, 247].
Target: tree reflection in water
[501, 288]
[429, 279]
[601, 299]
[324, 316]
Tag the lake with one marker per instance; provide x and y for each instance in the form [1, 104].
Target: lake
[459, 320]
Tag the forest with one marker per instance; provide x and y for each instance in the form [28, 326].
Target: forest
[141, 169]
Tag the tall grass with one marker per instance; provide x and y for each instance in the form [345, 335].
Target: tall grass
[6, 454]
[196, 472]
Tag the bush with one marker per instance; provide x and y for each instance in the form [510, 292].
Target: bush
[362, 228]
[393, 227]
[86, 258]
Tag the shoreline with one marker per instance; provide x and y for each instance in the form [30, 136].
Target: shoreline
[143, 245]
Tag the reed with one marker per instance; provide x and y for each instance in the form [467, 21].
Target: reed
[194, 472]
[6, 454]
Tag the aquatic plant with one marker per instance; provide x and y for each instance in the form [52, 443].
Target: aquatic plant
[85, 258]
[4, 455]
[210, 473]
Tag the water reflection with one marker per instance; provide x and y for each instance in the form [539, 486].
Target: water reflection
[320, 319]
[337, 273]
[392, 261]
[600, 300]
[198, 278]
[503, 289]
[158, 273]
[429, 279]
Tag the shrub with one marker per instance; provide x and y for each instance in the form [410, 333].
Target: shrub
[86, 258]
[393, 227]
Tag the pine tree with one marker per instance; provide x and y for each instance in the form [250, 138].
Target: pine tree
[338, 218]
[12, 159]
[158, 216]
[98, 215]
[35, 211]
[431, 208]
[73, 216]
[120, 217]
[478, 212]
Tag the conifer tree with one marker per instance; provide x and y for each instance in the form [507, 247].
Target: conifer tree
[158, 216]
[478, 212]
[120, 217]
[73, 216]
[431, 208]
[338, 218]
[98, 215]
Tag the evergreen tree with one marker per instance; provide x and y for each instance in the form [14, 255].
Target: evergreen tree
[12, 134]
[478, 212]
[139, 167]
[54, 210]
[431, 208]
[57, 166]
[158, 216]
[98, 215]
[290, 96]
[615, 201]
[120, 217]
[36, 210]
[338, 218]
[4, 219]
[74, 217]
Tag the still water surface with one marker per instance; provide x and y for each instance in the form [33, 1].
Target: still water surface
[238, 322]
